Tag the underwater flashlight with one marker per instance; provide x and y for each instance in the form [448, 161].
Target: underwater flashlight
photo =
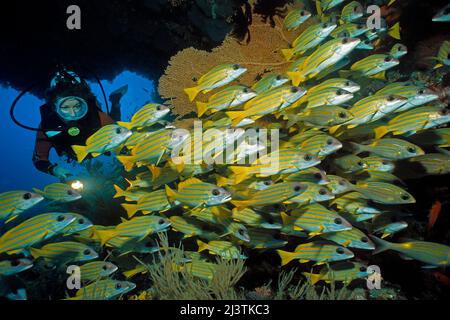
[77, 185]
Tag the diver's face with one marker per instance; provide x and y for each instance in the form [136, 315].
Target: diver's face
[71, 107]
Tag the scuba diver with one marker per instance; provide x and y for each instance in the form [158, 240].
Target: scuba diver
[70, 115]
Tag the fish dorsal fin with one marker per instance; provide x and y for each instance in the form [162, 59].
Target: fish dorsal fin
[38, 191]
[188, 182]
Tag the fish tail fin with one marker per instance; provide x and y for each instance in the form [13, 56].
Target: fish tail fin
[240, 204]
[381, 132]
[201, 245]
[127, 161]
[333, 129]
[130, 208]
[221, 180]
[105, 235]
[130, 184]
[240, 173]
[296, 77]
[201, 108]
[80, 151]
[131, 273]
[127, 125]
[313, 277]
[356, 148]
[391, 2]
[437, 66]
[394, 31]
[192, 92]
[156, 171]
[171, 194]
[235, 116]
[285, 218]
[319, 8]
[36, 190]
[286, 256]
[36, 253]
[287, 53]
[119, 192]
[381, 245]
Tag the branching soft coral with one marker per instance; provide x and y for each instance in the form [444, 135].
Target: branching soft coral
[261, 53]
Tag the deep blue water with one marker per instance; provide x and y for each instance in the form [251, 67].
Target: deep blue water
[17, 144]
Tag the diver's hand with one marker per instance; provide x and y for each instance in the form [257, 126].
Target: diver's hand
[61, 173]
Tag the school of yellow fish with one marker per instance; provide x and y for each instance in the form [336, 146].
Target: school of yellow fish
[331, 196]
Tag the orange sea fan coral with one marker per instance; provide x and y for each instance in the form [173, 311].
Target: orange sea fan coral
[260, 55]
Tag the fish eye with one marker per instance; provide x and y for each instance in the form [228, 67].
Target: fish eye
[278, 77]
[340, 250]
[342, 182]
[325, 25]
[297, 188]
[26, 196]
[60, 218]
[363, 269]
[329, 141]
[421, 91]
[215, 192]
[338, 221]
[161, 221]
[236, 67]
[118, 286]
[364, 239]
[15, 263]
[267, 183]
[270, 221]
[245, 90]
[366, 41]
[81, 221]
[345, 40]
[342, 115]
[307, 157]
[241, 231]
[391, 98]
[405, 196]
[360, 26]
[318, 176]
[158, 107]
[302, 13]
[294, 89]
[387, 59]
[323, 192]
[86, 252]
[119, 130]
[339, 92]
[384, 162]
[355, 9]
[411, 150]
[360, 164]
[105, 267]
[70, 192]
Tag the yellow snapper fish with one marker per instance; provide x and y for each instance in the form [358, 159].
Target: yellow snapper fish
[229, 97]
[373, 66]
[352, 11]
[80, 223]
[340, 83]
[349, 29]
[281, 161]
[13, 203]
[384, 193]
[344, 272]
[354, 203]
[431, 254]
[60, 192]
[324, 56]
[97, 270]
[276, 193]
[309, 38]
[217, 77]
[372, 108]
[255, 219]
[312, 174]
[295, 18]
[152, 149]
[325, 116]
[146, 116]
[264, 239]
[155, 201]
[389, 148]
[196, 193]
[415, 120]
[398, 50]
[353, 238]
[328, 96]
[442, 15]
[130, 195]
[349, 163]
[338, 185]
[33, 231]
[375, 163]
[314, 193]
[268, 102]
[320, 145]
[107, 138]
[316, 251]
[224, 249]
[268, 82]
[315, 219]
[137, 227]
[104, 290]
[67, 251]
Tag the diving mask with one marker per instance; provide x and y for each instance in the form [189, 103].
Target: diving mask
[71, 108]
